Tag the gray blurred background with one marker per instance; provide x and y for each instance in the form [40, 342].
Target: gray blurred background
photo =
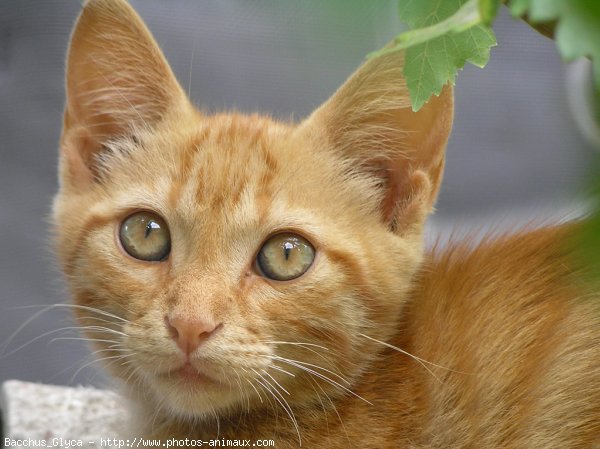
[516, 152]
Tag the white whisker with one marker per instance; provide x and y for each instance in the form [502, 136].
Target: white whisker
[323, 377]
[294, 343]
[39, 337]
[284, 404]
[84, 339]
[275, 367]
[318, 367]
[277, 383]
[421, 361]
[259, 396]
[118, 357]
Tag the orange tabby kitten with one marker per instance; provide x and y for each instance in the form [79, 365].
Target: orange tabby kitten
[252, 279]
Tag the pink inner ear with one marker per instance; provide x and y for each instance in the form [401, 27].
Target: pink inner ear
[408, 201]
[389, 204]
[78, 172]
[79, 150]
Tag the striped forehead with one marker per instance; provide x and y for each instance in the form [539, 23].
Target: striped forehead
[230, 164]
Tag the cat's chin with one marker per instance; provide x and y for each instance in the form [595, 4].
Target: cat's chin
[191, 393]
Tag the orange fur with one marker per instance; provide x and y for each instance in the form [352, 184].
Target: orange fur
[377, 345]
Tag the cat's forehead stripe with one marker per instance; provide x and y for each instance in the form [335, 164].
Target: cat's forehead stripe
[190, 177]
[187, 165]
[222, 161]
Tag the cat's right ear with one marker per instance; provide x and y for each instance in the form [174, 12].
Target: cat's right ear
[117, 81]
[370, 123]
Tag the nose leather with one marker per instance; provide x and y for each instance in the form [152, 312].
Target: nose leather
[189, 333]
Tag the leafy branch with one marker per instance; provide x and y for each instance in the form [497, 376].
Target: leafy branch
[445, 34]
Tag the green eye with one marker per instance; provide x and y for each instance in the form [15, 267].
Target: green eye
[285, 256]
[145, 236]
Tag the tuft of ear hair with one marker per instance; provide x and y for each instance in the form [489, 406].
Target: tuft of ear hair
[117, 80]
[369, 120]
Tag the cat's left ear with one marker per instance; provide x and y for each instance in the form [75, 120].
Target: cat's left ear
[117, 81]
[369, 121]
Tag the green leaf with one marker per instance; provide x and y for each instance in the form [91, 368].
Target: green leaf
[577, 32]
[519, 7]
[431, 64]
[463, 19]
[488, 10]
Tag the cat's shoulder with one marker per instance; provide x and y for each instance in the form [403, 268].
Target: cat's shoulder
[525, 258]
[502, 283]
[509, 329]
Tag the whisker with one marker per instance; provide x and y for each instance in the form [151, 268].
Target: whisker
[307, 346]
[421, 361]
[272, 404]
[134, 371]
[279, 399]
[108, 330]
[295, 344]
[271, 365]
[39, 337]
[70, 367]
[20, 328]
[95, 361]
[159, 407]
[226, 377]
[317, 366]
[323, 377]
[73, 306]
[277, 383]
[259, 396]
[127, 351]
[335, 410]
[84, 339]
[247, 394]
[239, 381]
[97, 318]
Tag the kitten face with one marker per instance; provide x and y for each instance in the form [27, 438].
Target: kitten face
[346, 181]
[224, 187]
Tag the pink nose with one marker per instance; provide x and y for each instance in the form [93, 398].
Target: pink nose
[188, 333]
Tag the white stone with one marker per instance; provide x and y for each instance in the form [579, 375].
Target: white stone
[60, 416]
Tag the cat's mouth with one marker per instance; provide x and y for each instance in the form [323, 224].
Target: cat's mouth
[192, 388]
[189, 373]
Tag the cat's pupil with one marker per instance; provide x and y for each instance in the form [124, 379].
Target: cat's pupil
[287, 249]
